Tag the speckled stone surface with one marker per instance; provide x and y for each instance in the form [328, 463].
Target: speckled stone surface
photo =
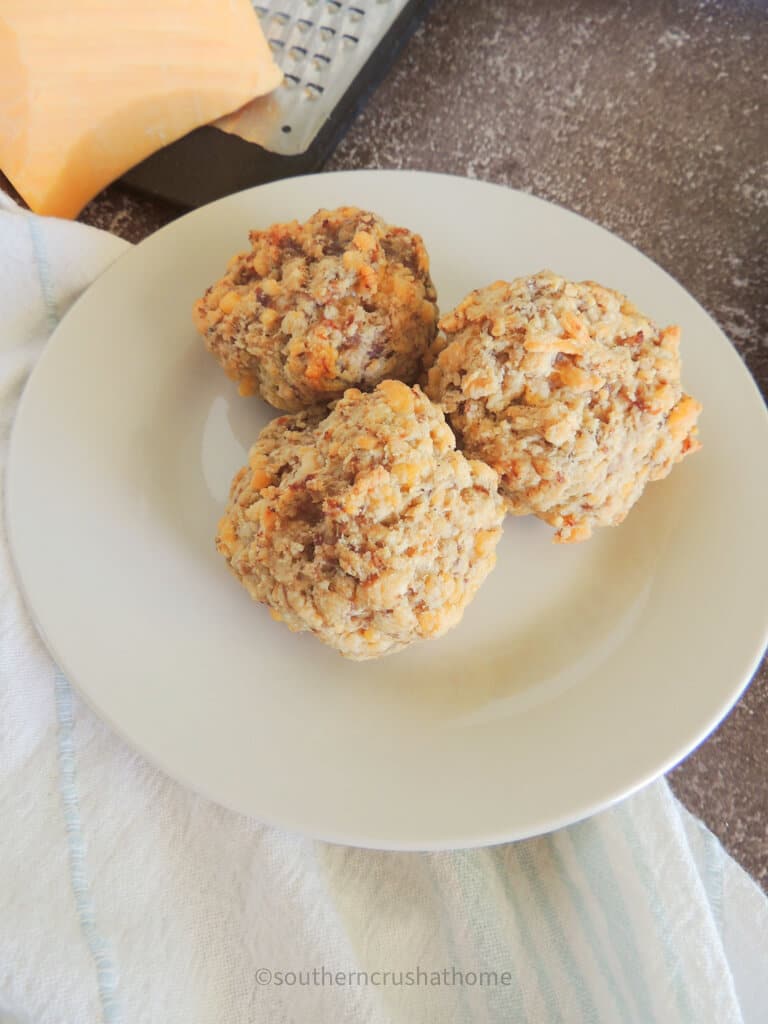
[648, 118]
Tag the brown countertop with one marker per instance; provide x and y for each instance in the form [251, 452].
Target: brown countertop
[646, 118]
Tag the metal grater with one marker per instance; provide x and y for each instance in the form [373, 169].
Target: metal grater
[331, 53]
[320, 46]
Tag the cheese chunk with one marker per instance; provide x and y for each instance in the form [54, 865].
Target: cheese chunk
[90, 88]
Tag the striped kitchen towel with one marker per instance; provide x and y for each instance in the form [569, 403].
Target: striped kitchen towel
[125, 898]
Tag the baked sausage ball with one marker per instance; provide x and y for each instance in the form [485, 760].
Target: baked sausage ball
[569, 392]
[343, 300]
[366, 527]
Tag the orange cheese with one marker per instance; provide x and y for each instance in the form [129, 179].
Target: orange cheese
[91, 87]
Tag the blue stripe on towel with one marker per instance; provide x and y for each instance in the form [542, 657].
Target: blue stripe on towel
[433, 863]
[671, 956]
[500, 856]
[106, 972]
[472, 869]
[558, 938]
[595, 863]
[588, 926]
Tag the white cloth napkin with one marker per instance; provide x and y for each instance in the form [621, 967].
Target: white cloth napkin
[125, 898]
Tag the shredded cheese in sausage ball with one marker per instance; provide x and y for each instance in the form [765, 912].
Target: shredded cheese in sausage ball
[342, 300]
[365, 527]
[568, 392]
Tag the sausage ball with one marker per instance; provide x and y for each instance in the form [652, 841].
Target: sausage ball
[342, 300]
[568, 392]
[365, 527]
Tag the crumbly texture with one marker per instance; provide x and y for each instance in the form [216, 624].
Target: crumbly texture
[569, 392]
[343, 300]
[366, 527]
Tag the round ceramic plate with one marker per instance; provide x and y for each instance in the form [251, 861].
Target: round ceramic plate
[578, 673]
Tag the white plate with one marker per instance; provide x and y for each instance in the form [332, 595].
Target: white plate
[579, 672]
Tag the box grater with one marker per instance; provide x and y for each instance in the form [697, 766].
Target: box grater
[332, 53]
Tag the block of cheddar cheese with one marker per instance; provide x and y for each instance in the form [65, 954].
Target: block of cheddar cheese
[90, 89]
